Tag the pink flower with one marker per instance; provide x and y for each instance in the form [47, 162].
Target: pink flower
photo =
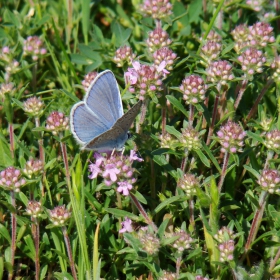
[126, 226]
[133, 156]
[95, 170]
[124, 187]
[111, 171]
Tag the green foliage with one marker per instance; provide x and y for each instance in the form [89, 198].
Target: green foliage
[171, 225]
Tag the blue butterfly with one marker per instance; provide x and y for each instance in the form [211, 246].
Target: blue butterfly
[98, 122]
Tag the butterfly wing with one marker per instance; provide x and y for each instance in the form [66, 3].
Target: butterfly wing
[115, 137]
[99, 111]
[104, 99]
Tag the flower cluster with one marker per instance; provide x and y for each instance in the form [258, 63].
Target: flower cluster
[149, 242]
[34, 209]
[88, 79]
[260, 34]
[57, 122]
[240, 35]
[188, 184]
[272, 140]
[59, 215]
[231, 137]
[10, 179]
[167, 275]
[124, 55]
[276, 67]
[6, 88]
[220, 72]
[6, 56]
[210, 51]
[270, 181]
[33, 106]
[33, 168]
[164, 55]
[256, 5]
[34, 46]
[213, 36]
[190, 139]
[251, 61]
[193, 89]
[183, 242]
[224, 234]
[158, 39]
[144, 79]
[157, 9]
[226, 251]
[199, 277]
[115, 169]
[168, 141]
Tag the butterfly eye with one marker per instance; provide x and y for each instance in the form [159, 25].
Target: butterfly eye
[129, 135]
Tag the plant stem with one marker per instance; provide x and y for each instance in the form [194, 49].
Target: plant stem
[254, 108]
[191, 209]
[178, 265]
[142, 116]
[11, 133]
[240, 94]
[223, 173]
[142, 211]
[274, 261]
[191, 117]
[256, 223]
[37, 248]
[214, 116]
[69, 251]
[14, 233]
[270, 154]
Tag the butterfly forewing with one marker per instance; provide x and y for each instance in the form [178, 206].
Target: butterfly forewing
[104, 99]
[127, 119]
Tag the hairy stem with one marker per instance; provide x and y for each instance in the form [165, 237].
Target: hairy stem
[69, 251]
[214, 116]
[256, 222]
[224, 170]
[142, 211]
[255, 106]
[240, 94]
[14, 233]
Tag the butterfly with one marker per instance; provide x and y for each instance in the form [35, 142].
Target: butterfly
[98, 122]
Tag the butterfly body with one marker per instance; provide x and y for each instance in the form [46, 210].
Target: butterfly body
[98, 122]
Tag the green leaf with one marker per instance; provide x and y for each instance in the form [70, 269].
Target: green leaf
[121, 213]
[177, 104]
[5, 233]
[173, 131]
[203, 158]
[169, 201]
[6, 159]
[30, 245]
[121, 34]
[255, 136]
[161, 161]
[252, 171]
[210, 155]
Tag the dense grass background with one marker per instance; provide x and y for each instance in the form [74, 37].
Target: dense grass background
[182, 240]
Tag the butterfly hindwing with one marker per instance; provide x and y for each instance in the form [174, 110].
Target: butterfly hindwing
[81, 118]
